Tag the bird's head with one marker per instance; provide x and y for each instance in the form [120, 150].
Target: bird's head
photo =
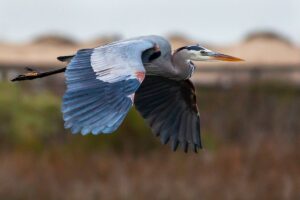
[199, 53]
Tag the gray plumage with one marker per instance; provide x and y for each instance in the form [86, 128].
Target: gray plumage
[104, 82]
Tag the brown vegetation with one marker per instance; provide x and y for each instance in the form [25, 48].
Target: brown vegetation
[250, 135]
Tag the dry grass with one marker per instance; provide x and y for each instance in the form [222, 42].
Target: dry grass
[250, 133]
[231, 172]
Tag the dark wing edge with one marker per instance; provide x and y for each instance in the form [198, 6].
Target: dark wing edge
[170, 109]
[65, 58]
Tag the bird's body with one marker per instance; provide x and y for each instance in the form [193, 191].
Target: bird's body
[104, 82]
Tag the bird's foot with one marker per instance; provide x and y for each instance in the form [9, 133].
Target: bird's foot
[31, 74]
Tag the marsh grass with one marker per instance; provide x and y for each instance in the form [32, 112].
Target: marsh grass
[250, 134]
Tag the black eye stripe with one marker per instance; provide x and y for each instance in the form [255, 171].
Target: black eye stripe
[195, 48]
[189, 48]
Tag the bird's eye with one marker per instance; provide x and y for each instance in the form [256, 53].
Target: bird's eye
[203, 52]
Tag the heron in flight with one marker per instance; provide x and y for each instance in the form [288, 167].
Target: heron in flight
[103, 83]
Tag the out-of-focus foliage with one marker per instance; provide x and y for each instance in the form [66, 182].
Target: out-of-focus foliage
[240, 114]
[28, 119]
[250, 135]
[33, 121]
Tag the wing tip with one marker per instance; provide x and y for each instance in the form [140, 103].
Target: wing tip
[65, 58]
[185, 145]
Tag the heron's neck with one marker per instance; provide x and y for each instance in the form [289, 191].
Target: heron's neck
[181, 63]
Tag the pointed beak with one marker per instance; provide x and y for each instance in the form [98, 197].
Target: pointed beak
[223, 57]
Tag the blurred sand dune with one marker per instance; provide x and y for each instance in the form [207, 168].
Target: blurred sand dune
[258, 50]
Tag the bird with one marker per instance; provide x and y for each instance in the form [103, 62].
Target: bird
[103, 83]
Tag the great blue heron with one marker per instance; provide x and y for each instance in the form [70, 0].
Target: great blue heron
[104, 82]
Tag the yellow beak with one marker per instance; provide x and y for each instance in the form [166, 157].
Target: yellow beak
[224, 57]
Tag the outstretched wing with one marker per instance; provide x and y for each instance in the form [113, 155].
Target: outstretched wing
[101, 83]
[170, 109]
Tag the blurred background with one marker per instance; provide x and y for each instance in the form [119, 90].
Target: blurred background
[249, 111]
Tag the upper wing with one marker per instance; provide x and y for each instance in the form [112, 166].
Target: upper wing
[170, 109]
[100, 85]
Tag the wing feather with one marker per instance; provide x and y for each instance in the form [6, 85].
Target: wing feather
[169, 107]
[100, 84]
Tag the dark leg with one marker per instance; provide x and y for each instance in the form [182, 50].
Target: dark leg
[33, 74]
